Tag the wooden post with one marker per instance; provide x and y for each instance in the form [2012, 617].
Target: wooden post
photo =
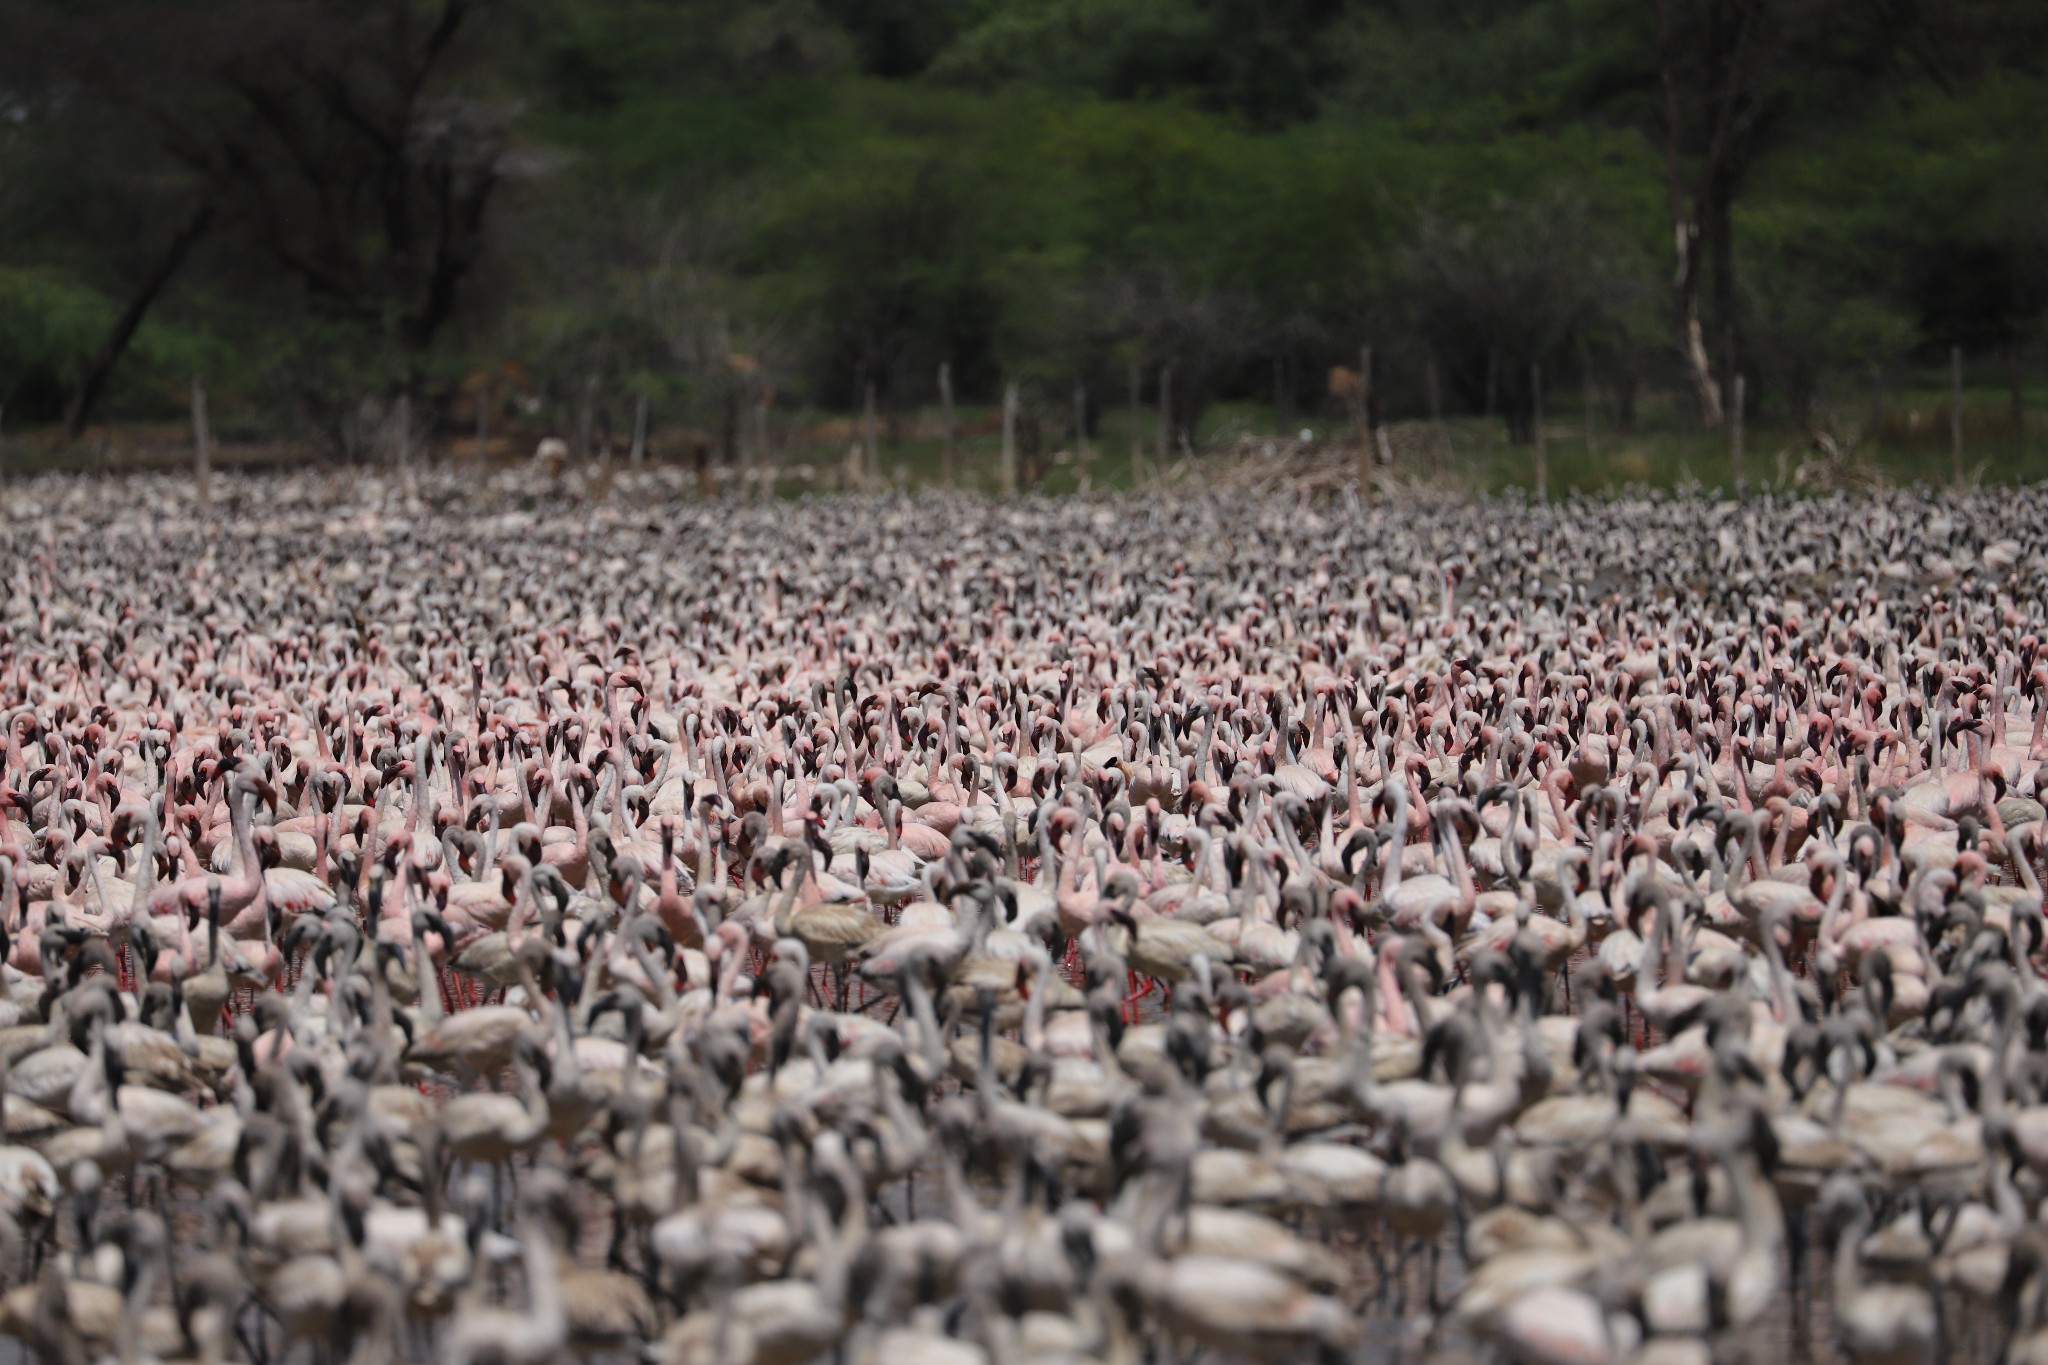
[1165, 416]
[744, 460]
[1536, 429]
[871, 452]
[202, 446]
[1955, 409]
[1436, 407]
[2019, 409]
[1586, 397]
[586, 420]
[764, 443]
[483, 421]
[948, 472]
[401, 421]
[1010, 438]
[639, 429]
[1362, 418]
[730, 419]
[1082, 456]
[1735, 429]
[1137, 428]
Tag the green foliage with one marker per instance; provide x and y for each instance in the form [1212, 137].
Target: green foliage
[50, 326]
[1262, 59]
[712, 201]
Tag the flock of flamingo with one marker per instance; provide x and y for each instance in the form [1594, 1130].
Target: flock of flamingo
[457, 923]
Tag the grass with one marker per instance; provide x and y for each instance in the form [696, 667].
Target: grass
[1772, 458]
[1477, 454]
[1909, 441]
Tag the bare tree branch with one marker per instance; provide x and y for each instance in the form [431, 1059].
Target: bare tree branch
[101, 368]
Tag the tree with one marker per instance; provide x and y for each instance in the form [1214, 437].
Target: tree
[1264, 60]
[367, 180]
[1735, 80]
[105, 201]
[327, 198]
[1203, 333]
[1515, 283]
[329, 131]
[899, 282]
[1706, 203]
[100, 368]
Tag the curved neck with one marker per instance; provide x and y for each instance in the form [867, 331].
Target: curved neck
[1391, 877]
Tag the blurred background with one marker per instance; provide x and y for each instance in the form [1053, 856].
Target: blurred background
[1031, 243]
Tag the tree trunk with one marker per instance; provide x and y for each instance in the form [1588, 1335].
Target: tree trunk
[101, 368]
[483, 422]
[1692, 338]
[639, 429]
[1537, 434]
[1710, 201]
[1720, 230]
